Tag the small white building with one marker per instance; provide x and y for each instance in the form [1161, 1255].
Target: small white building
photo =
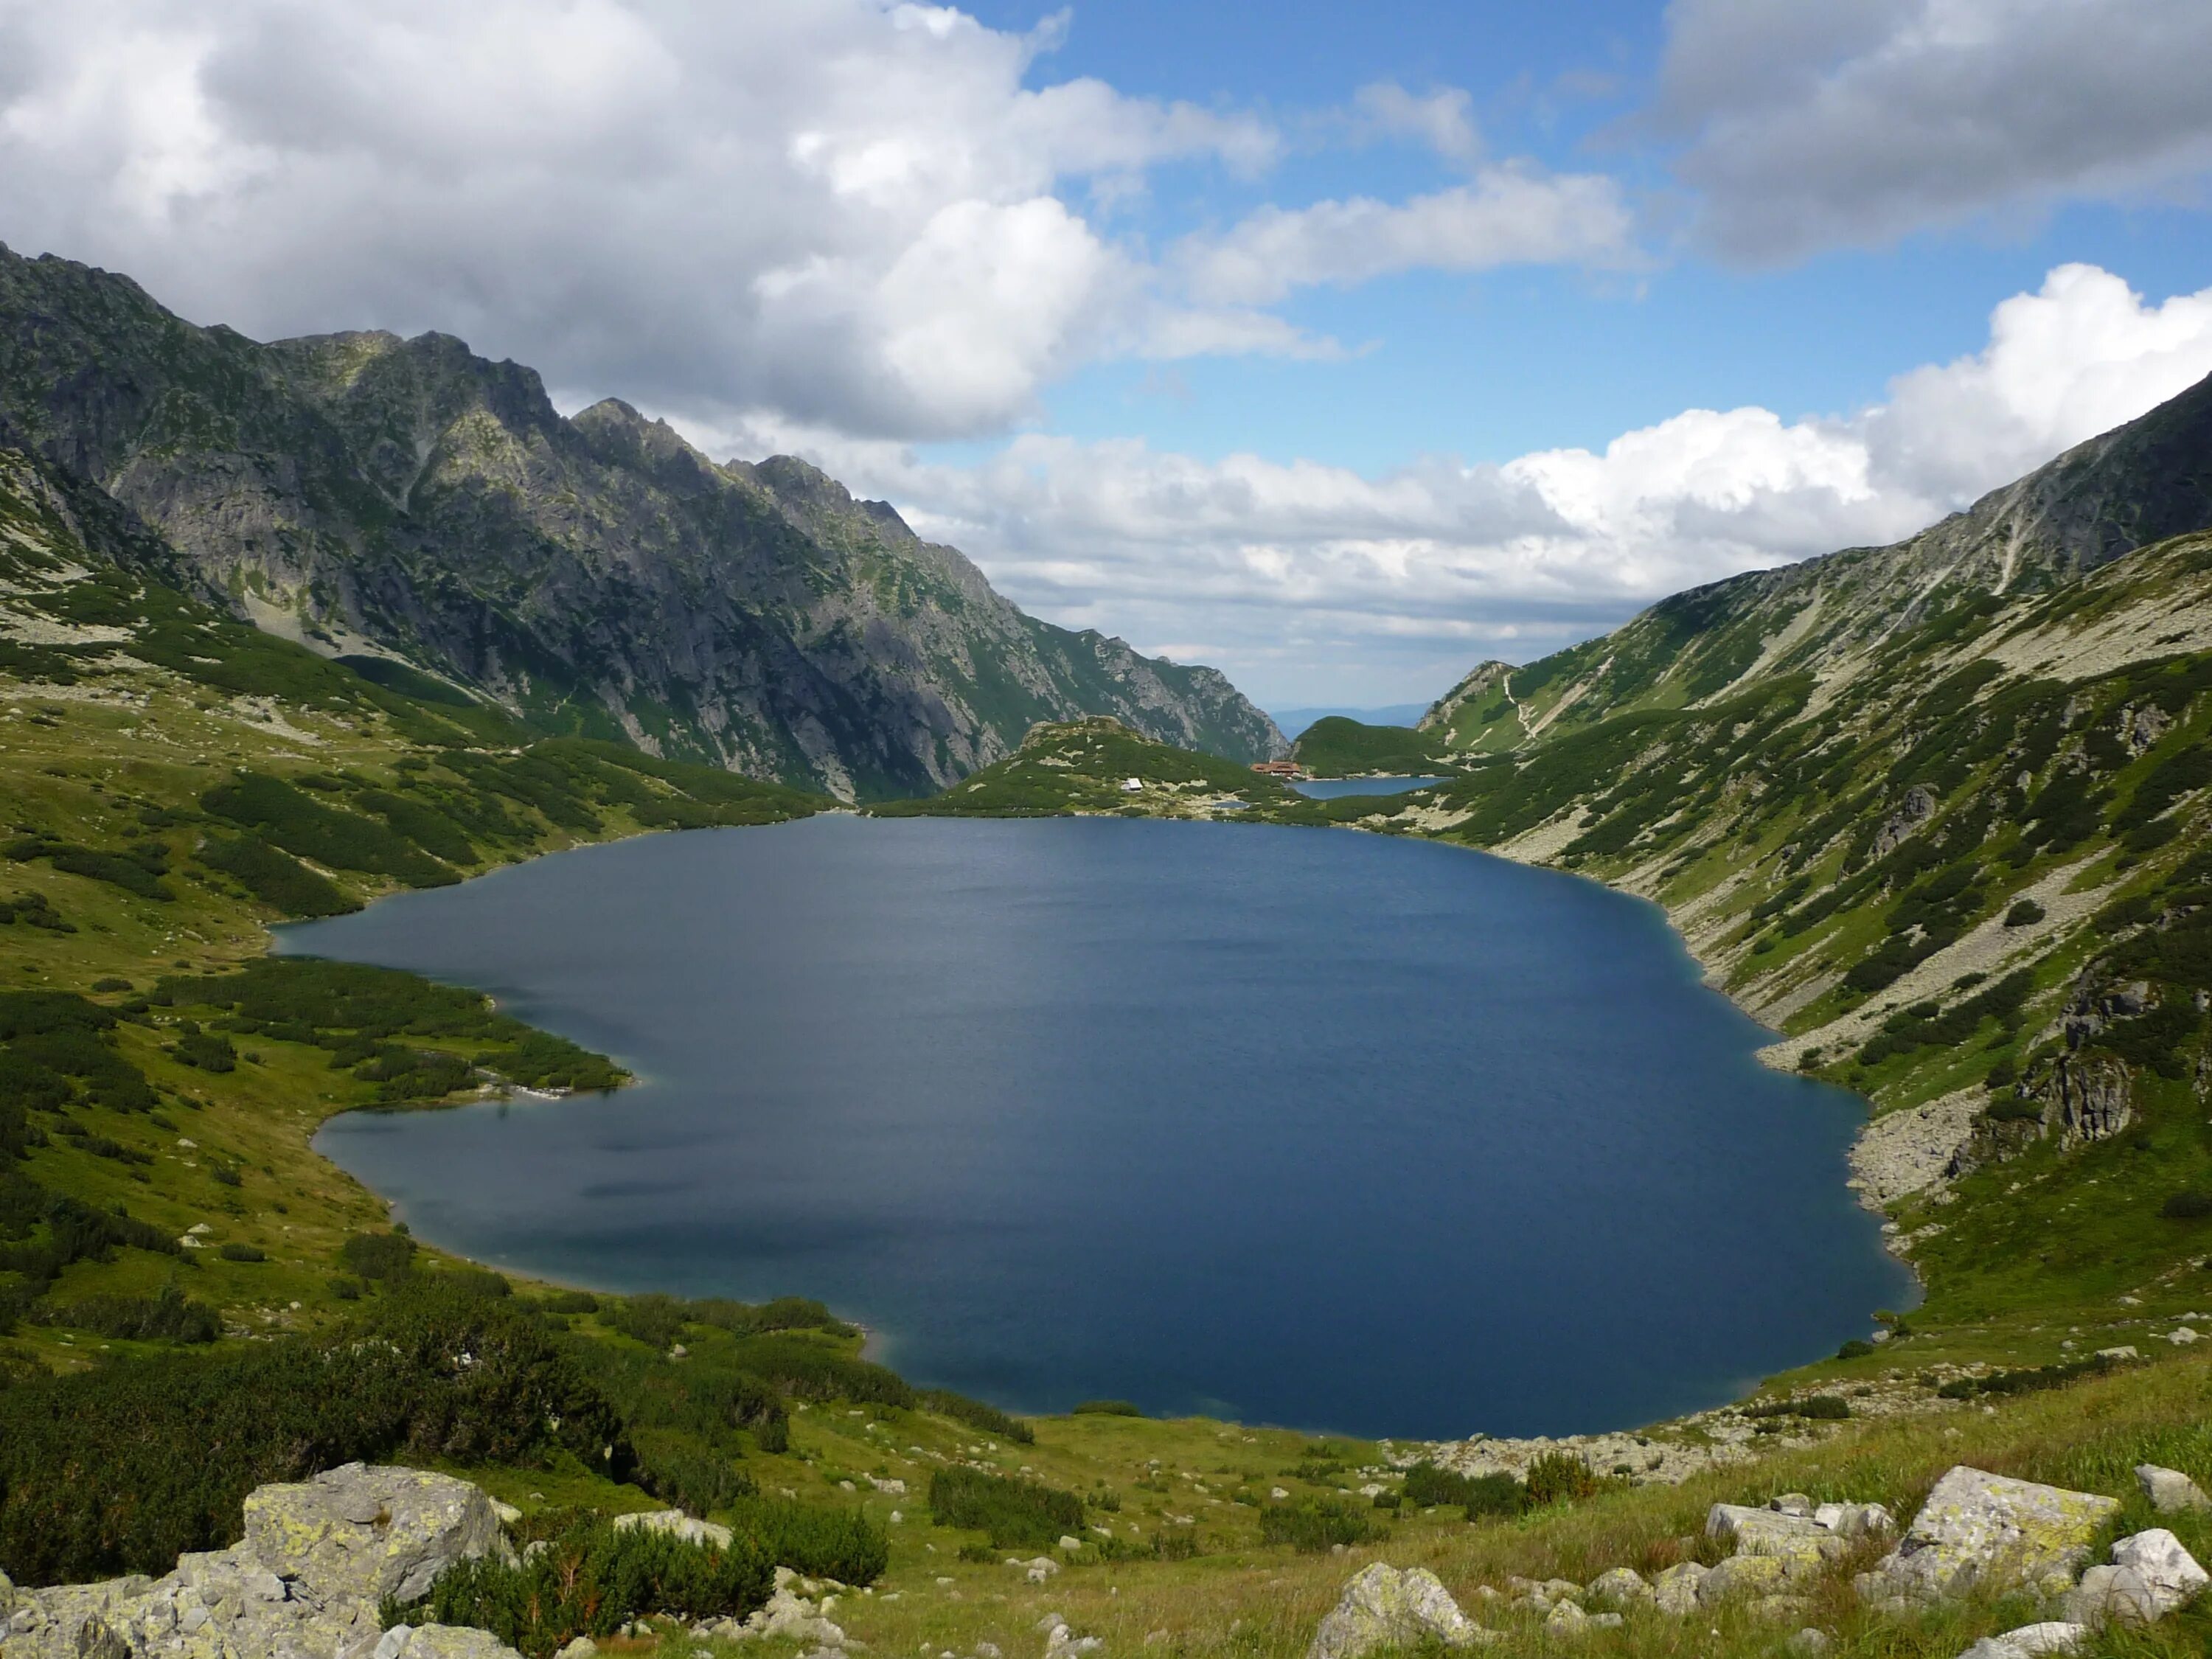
[1133, 786]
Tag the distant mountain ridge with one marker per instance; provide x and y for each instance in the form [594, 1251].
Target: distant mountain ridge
[2142, 483]
[370, 496]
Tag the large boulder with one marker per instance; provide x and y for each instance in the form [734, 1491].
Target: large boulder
[1383, 1607]
[369, 1533]
[1795, 1538]
[1676, 1590]
[304, 1582]
[1990, 1531]
[1744, 1575]
[2170, 1491]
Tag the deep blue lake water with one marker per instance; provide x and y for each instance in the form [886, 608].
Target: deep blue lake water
[1297, 1126]
[1331, 788]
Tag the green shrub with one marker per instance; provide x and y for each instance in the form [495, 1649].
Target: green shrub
[123, 1468]
[1010, 1509]
[206, 1051]
[813, 1370]
[570, 1301]
[1825, 1407]
[330, 836]
[1856, 1348]
[378, 1255]
[278, 880]
[976, 1415]
[822, 1543]
[1313, 1525]
[656, 1320]
[167, 1317]
[234, 1252]
[2024, 913]
[1559, 1475]
[1107, 1408]
[590, 1581]
[1477, 1494]
[2189, 1205]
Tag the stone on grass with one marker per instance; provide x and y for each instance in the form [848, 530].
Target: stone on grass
[1676, 1590]
[371, 1533]
[1811, 1643]
[1742, 1576]
[1979, 1530]
[2111, 1596]
[582, 1648]
[2170, 1491]
[1383, 1607]
[1620, 1587]
[2160, 1559]
[2030, 1642]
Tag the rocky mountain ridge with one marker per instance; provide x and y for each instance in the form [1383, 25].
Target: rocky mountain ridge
[381, 498]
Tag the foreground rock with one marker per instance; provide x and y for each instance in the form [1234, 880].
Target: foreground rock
[2151, 1574]
[306, 1580]
[2170, 1491]
[1985, 1531]
[1384, 1608]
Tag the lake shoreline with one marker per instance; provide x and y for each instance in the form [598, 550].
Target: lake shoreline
[1139, 857]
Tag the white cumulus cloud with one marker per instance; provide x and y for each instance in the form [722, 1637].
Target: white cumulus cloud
[1312, 583]
[1809, 127]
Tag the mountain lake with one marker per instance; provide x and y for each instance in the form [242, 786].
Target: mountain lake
[1333, 1130]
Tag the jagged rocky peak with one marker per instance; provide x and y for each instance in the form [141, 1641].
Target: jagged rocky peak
[597, 575]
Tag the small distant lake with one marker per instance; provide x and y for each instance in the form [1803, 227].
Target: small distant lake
[1306, 1127]
[1331, 788]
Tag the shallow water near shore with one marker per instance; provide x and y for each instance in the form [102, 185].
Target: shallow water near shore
[1303, 1127]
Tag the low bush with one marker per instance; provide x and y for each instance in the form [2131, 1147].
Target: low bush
[590, 1580]
[976, 1415]
[2024, 913]
[1010, 1509]
[169, 1315]
[1107, 1408]
[1477, 1494]
[822, 1543]
[2191, 1205]
[1558, 1476]
[1856, 1348]
[378, 1255]
[123, 1468]
[278, 879]
[655, 1321]
[813, 1370]
[1314, 1525]
[236, 1251]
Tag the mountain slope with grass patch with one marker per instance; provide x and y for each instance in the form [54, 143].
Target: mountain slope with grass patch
[411, 506]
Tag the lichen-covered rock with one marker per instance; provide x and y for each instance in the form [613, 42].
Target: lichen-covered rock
[370, 1532]
[1978, 1529]
[303, 1583]
[1383, 1607]
[1743, 1576]
[440, 1642]
[1675, 1590]
[1622, 1587]
[2170, 1491]
[1785, 1535]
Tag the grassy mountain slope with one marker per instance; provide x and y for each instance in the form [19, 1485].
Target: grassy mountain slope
[1339, 747]
[1833, 617]
[174, 779]
[366, 495]
[1937, 812]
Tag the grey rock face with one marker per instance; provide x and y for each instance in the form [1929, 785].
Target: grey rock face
[306, 1580]
[1676, 1590]
[1622, 1587]
[1383, 1607]
[1990, 1531]
[407, 494]
[2170, 1491]
[2030, 1642]
[2165, 1567]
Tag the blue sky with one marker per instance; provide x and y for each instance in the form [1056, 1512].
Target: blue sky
[1340, 347]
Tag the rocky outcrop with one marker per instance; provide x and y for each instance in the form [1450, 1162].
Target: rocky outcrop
[368, 494]
[1384, 1608]
[1989, 1532]
[1914, 810]
[305, 1583]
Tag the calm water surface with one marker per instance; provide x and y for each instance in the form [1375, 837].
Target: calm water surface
[1331, 788]
[1306, 1127]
